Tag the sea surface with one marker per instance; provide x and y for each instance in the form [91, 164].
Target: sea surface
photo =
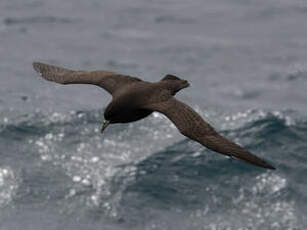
[246, 61]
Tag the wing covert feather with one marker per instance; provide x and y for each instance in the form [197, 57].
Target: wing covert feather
[191, 125]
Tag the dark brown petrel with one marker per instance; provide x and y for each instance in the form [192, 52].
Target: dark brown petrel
[135, 99]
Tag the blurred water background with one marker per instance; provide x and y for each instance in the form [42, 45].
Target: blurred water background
[247, 65]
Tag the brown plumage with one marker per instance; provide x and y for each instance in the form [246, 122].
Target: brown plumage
[134, 99]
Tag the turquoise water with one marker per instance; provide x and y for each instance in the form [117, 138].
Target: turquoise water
[246, 62]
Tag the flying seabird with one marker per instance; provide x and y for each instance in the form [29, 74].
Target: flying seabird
[134, 99]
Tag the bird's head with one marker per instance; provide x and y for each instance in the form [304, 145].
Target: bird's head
[175, 83]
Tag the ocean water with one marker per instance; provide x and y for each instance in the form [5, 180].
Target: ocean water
[246, 62]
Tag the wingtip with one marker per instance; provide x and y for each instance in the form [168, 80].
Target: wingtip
[264, 164]
[271, 167]
[260, 163]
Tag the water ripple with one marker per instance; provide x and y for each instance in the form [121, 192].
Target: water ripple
[9, 21]
[120, 172]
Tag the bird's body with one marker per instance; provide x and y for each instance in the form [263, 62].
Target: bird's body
[126, 106]
[129, 103]
[134, 99]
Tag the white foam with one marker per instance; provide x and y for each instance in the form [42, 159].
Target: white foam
[8, 185]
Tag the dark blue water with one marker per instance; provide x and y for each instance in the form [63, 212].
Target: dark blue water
[246, 62]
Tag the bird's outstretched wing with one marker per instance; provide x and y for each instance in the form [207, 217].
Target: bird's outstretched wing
[193, 126]
[110, 81]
